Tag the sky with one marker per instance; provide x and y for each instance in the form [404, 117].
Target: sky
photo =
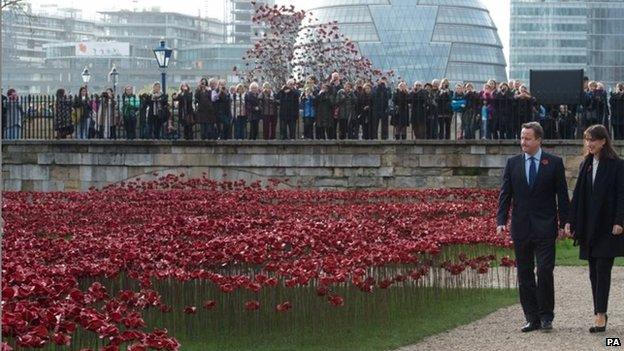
[499, 9]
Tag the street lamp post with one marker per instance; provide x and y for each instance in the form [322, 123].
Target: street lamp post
[114, 75]
[86, 76]
[163, 54]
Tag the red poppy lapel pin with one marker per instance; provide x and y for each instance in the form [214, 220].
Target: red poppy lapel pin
[545, 162]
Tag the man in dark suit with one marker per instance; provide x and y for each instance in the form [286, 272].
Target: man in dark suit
[534, 182]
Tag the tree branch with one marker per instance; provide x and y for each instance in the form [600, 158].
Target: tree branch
[6, 4]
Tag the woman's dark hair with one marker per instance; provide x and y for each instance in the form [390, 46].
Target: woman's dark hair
[60, 94]
[599, 132]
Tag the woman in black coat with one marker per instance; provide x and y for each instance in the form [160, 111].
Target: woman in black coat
[288, 100]
[401, 117]
[471, 118]
[419, 98]
[184, 98]
[445, 114]
[365, 110]
[325, 113]
[597, 215]
[617, 111]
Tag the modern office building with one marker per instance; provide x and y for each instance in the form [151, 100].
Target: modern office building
[422, 39]
[24, 39]
[47, 50]
[50, 48]
[577, 34]
[144, 29]
[224, 59]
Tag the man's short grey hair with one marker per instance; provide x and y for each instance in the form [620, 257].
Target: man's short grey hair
[536, 127]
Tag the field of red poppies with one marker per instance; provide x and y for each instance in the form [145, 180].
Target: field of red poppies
[95, 264]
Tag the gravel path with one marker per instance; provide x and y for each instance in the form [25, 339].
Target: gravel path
[573, 317]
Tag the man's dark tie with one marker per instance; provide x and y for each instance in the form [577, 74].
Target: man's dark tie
[532, 172]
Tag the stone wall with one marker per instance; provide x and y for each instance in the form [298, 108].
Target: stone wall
[68, 165]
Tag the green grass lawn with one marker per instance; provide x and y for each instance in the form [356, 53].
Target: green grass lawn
[568, 255]
[383, 320]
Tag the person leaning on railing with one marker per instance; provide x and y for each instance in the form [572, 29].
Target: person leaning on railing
[204, 109]
[603, 107]
[107, 117]
[504, 107]
[346, 103]
[308, 108]
[381, 104]
[240, 113]
[325, 113]
[288, 100]
[365, 109]
[4, 112]
[82, 114]
[184, 100]
[129, 109]
[14, 116]
[252, 104]
[594, 105]
[143, 109]
[268, 109]
[222, 104]
[525, 105]
[401, 115]
[445, 113]
[471, 118]
[62, 117]
[486, 96]
[419, 98]
[458, 105]
[566, 123]
[157, 111]
[617, 111]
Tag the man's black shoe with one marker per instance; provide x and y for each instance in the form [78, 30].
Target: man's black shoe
[547, 326]
[531, 326]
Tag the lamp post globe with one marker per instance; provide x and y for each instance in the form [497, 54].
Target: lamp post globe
[86, 76]
[114, 75]
[163, 55]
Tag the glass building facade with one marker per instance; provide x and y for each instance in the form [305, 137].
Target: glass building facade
[577, 34]
[422, 39]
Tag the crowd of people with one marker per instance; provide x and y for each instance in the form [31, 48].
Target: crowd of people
[328, 109]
